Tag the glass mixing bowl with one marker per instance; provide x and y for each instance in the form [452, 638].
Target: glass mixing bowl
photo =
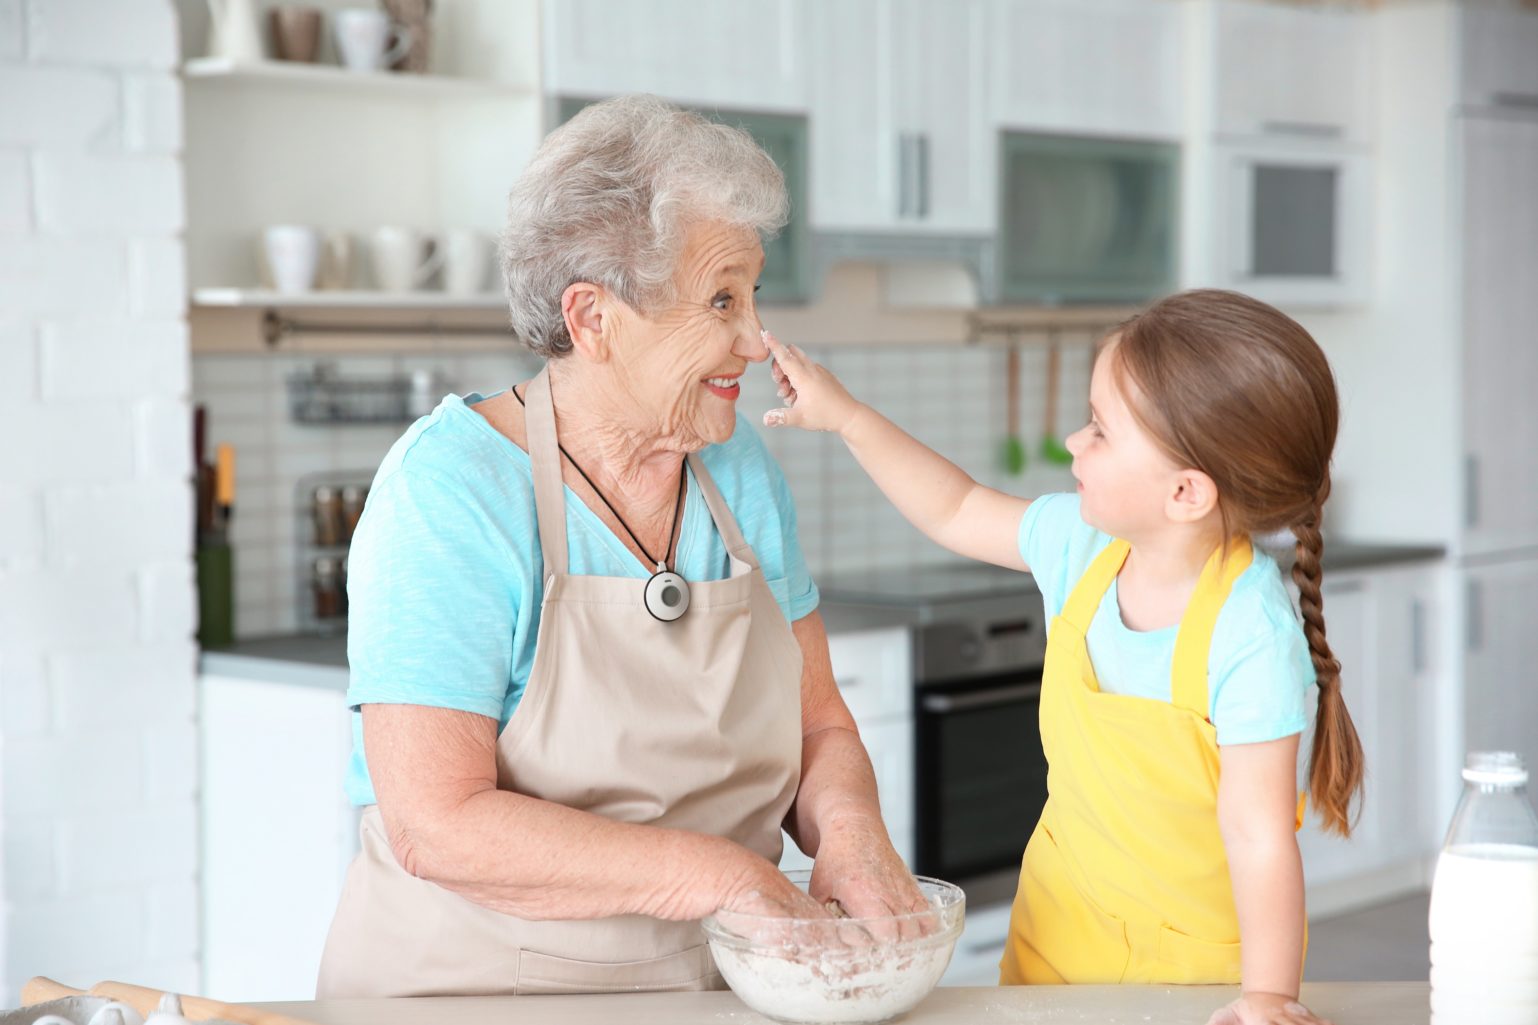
[848, 971]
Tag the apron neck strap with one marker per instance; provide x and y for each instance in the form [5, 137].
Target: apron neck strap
[1082, 603]
[545, 456]
[1188, 667]
[726, 523]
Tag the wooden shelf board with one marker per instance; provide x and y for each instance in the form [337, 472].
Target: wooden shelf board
[259, 298]
[294, 74]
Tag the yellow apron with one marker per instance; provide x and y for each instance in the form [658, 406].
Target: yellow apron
[1125, 879]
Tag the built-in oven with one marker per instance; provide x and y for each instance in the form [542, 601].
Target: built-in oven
[980, 774]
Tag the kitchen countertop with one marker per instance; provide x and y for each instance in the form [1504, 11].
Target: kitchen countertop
[1347, 1003]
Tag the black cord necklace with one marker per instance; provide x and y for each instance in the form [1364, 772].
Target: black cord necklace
[666, 595]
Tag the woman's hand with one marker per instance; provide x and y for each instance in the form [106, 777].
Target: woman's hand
[1265, 1009]
[857, 867]
[814, 398]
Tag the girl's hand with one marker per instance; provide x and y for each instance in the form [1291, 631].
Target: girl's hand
[1256, 1008]
[814, 398]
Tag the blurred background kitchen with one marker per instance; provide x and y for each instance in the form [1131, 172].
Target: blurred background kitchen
[243, 244]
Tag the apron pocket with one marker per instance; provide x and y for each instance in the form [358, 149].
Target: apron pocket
[1059, 934]
[1184, 959]
[689, 969]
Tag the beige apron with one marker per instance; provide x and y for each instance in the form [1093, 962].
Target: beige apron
[692, 725]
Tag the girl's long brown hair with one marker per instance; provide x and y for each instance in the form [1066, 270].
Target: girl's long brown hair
[1240, 391]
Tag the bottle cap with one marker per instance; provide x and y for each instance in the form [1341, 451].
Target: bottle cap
[1499, 768]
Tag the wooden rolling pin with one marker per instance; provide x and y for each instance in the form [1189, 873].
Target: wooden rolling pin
[146, 1000]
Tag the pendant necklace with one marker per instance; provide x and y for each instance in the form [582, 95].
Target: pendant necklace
[666, 595]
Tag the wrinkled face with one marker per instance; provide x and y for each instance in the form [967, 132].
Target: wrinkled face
[681, 365]
[1124, 476]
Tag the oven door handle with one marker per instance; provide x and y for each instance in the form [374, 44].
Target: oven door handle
[980, 699]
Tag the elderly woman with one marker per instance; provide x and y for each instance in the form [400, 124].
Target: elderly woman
[592, 683]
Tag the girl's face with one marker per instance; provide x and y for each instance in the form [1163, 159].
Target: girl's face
[1124, 477]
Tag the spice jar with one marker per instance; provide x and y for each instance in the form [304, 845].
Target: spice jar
[353, 496]
[327, 507]
[326, 583]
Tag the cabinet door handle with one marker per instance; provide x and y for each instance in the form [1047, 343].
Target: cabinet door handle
[904, 174]
[1470, 490]
[1310, 129]
[921, 156]
[846, 682]
[1474, 619]
[1523, 101]
[1418, 636]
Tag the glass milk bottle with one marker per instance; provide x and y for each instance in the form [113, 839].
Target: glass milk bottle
[1484, 901]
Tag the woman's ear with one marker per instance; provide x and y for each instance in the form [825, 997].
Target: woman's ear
[1194, 496]
[583, 305]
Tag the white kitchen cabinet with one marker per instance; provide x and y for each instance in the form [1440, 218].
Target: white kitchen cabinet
[1292, 70]
[1093, 67]
[1500, 682]
[1499, 47]
[874, 672]
[278, 832]
[1500, 309]
[1379, 626]
[742, 55]
[900, 138]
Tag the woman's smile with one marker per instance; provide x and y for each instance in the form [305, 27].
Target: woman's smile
[726, 387]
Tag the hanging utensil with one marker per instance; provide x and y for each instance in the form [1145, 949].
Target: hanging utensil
[1052, 448]
[1013, 450]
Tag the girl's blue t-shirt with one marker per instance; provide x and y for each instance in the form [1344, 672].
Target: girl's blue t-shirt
[1258, 670]
[445, 573]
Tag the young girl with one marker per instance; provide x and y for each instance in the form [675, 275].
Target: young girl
[1173, 694]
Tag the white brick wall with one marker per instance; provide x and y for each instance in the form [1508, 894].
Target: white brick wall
[98, 743]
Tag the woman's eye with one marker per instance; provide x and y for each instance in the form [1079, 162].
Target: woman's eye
[756, 288]
[722, 301]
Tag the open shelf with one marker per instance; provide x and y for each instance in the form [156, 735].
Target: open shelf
[262, 298]
[312, 77]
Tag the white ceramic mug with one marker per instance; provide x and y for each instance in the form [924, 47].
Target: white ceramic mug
[293, 256]
[466, 260]
[363, 39]
[403, 258]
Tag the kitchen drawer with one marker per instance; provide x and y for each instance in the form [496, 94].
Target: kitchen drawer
[874, 671]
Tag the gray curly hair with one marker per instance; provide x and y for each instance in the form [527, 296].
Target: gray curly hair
[608, 198]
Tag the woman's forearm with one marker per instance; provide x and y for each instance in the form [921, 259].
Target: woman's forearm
[539, 860]
[838, 787]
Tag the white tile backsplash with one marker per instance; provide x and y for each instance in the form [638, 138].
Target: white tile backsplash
[949, 397]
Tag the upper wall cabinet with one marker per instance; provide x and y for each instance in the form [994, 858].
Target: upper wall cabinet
[744, 55]
[1097, 67]
[900, 137]
[1287, 70]
[1500, 55]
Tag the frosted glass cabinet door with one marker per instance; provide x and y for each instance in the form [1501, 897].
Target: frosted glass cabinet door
[1086, 220]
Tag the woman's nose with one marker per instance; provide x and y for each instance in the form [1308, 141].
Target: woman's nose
[750, 343]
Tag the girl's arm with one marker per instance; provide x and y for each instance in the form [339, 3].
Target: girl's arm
[1257, 814]
[935, 494]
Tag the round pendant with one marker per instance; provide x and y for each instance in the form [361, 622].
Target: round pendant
[667, 596]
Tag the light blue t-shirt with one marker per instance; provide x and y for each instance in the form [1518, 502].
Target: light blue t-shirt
[445, 572]
[1258, 670]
